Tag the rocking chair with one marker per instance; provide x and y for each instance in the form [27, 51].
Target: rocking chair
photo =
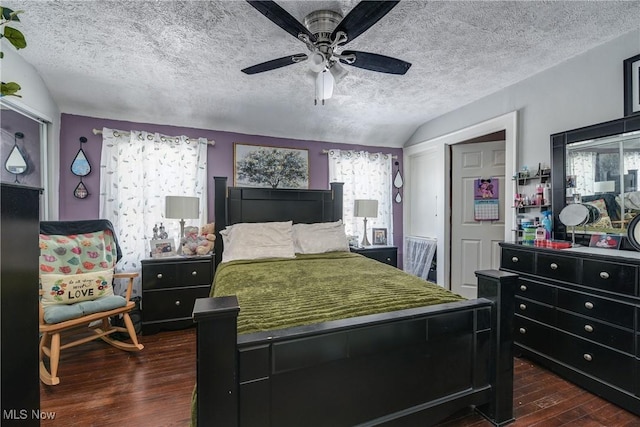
[77, 261]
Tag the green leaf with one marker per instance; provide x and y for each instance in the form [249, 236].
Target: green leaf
[15, 37]
[10, 89]
[10, 15]
[1, 55]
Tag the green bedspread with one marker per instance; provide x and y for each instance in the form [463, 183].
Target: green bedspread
[277, 294]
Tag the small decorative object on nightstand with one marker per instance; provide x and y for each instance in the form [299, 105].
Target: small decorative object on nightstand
[385, 254]
[170, 287]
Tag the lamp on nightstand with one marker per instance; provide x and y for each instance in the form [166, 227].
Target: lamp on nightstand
[367, 209]
[182, 207]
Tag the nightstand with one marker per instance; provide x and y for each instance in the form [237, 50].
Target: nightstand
[385, 254]
[170, 287]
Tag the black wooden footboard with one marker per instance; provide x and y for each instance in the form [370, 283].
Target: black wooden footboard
[404, 368]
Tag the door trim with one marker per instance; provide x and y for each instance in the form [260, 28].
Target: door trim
[507, 122]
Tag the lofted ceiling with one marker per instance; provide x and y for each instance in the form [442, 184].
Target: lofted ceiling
[179, 62]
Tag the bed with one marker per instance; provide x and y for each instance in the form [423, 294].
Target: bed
[404, 367]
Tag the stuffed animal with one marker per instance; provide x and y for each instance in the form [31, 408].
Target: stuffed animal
[198, 242]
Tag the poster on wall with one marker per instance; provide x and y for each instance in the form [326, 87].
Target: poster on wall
[486, 202]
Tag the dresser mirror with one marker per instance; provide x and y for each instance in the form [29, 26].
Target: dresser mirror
[599, 165]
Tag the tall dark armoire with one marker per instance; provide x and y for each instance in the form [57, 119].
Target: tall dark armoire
[19, 252]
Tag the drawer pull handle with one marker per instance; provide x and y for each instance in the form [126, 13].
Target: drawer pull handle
[159, 276]
[522, 330]
[588, 305]
[523, 288]
[178, 302]
[554, 266]
[588, 328]
[194, 273]
[388, 259]
[587, 357]
[604, 275]
[515, 259]
[523, 306]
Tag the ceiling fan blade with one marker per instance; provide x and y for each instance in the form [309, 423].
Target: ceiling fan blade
[361, 17]
[275, 63]
[281, 18]
[375, 62]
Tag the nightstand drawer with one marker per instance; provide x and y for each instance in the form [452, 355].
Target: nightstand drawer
[610, 276]
[178, 303]
[177, 274]
[387, 254]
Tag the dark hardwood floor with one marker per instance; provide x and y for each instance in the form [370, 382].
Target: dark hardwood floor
[102, 386]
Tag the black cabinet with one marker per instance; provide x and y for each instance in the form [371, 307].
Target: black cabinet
[577, 313]
[20, 227]
[385, 254]
[170, 287]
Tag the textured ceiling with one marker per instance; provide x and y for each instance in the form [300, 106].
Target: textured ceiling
[179, 63]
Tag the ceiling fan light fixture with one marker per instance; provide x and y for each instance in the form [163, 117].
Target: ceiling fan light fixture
[324, 86]
[317, 62]
[338, 72]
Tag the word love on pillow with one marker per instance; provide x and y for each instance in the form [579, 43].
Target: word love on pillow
[72, 288]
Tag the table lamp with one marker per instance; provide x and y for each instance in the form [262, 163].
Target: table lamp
[181, 207]
[367, 209]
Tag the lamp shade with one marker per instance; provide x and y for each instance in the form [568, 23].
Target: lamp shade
[604, 186]
[182, 207]
[365, 208]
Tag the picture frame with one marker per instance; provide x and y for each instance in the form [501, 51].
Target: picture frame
[632, 85]
[605, 241]
[253, 166]
[379, 236]
[161, 248]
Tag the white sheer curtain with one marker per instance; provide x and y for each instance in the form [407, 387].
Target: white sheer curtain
[137, 171]
[418, 255]
[583, 166]
[365, 176]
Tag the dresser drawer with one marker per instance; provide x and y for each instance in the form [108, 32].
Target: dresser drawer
[174, 304]
[177, 274]
[535, 291]
[599, 308]
[534, 335]
[602, 333]
[541, 312]
[557, 267]
[610, 276]
[516, 260]
[608, 365]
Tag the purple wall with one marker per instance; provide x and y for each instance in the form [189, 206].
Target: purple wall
[219, 160]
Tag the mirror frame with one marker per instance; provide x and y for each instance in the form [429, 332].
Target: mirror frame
[559, 142]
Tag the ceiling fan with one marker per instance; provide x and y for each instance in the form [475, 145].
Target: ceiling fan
[325, 33]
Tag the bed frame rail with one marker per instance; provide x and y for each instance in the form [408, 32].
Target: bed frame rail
[411, 367]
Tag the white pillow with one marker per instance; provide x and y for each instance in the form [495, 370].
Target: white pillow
[257, 240]
[319, 238]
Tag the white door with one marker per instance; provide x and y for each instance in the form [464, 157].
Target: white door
[474, 244]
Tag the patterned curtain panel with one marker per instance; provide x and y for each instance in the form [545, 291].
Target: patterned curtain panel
[582, 165]
[418, 255]
[137, 171]
[365, 176]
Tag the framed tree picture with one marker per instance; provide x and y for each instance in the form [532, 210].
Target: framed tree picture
[272, 167]
[632, 85]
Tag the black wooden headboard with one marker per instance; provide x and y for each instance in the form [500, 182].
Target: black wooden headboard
[246, 204]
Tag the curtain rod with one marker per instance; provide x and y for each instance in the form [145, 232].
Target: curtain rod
[327, 152]
[124, 133]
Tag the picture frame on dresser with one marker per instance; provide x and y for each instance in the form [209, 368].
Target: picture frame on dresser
[632, 85]
[161, 248]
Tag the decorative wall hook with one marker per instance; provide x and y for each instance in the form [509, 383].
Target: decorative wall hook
[16, 162]
[81, 167]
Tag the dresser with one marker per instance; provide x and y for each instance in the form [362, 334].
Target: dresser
[577, 312]
[385, 254]
[170, 287]
[20, 390]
